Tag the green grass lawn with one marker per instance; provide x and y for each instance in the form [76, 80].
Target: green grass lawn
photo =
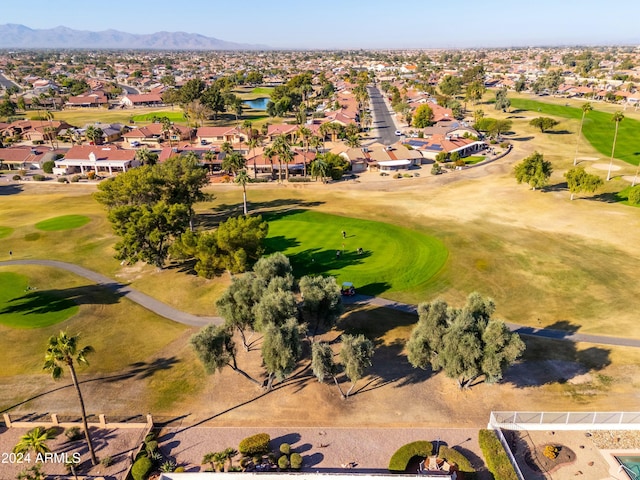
[174, 115]
[23, 305]
[81, 116]
[393, 258]
[598, 128]
[474, 159]
[64, 222]
[5, 231]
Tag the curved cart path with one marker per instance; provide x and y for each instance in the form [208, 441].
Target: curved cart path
[171, 313]
[132, 294]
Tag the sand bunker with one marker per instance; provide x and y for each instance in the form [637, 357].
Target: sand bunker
[605, 166]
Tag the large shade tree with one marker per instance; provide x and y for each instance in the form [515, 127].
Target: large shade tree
[281, 349]
[64, 351]
[534, 170]
[356, 353]
[465, 343]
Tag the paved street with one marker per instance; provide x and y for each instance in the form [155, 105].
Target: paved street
[383, 122]
[6, 83]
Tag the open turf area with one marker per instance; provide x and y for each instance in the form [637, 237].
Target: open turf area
[392, 258]
[64, 222]
[24, 305]
[174, 115]
[598, 127]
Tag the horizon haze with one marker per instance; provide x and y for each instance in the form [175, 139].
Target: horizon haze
[334, 24]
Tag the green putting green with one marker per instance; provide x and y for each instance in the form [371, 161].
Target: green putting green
[22, 306]
[5, 231]
[598, 127]
[173, 116]
[392, 258]
[65, 222]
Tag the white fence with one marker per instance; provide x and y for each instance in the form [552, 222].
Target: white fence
[565, 420]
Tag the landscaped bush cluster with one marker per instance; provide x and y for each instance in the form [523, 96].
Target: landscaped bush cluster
[257, 444]
[63, 180]
[299, 179]
[39, 178]
[634, 195]
[75, 178]
[289, 459]
[494, 454]
[551, 452]
[73, 434]
[16, 177]
[47, 167]
[149, 458]
[400, 459]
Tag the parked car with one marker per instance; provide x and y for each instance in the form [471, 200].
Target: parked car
[135, 143]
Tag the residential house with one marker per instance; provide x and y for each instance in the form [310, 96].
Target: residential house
[431, 147]
[37, 131]
[141, 100]
[100, 159]
[154, 134]
[88, 100]
[24, 157]
[219, 135]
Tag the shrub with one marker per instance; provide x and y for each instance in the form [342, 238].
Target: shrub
[91, 175]
[299, 179]
[551, 452]
[283, 462]
[150, 437]
[106, 461]
[497, 460]
[504, 145]
[75, 178]
[285, 448]
[400, 459]
[255, 444]
[39, 178]
[296, 461]
[442, 157]
[22, 172]
[453, 456]
[16, 177]
[47, 166]
[384, 174]
[141, 468]
[179, 469]
[63, 180]
[73, 433]
[407, 175]
[168, 466]
[634, 195]
[436, 169]
[454, 157]
[397, 175]
[151, 446]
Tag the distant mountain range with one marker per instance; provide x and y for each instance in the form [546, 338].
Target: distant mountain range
[18, 36]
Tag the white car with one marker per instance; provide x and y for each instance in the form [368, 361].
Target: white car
[398, 133]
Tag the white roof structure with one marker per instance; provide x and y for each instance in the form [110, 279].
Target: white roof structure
[303, 476]
[395, 163]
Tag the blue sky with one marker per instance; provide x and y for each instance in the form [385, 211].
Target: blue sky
[316, 24]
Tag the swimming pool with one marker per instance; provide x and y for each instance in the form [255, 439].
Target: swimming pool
[631, 465]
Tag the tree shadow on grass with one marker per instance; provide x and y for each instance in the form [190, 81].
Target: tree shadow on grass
[558, 132]
[551, 361]
[11, 189]
[268, 209]
[522, 139]
[315, 261]
[607, 197]
[55, 300]
[558, 187]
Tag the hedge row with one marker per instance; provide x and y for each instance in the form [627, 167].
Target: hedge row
[453, 456]
[494, 454]
[400, 459]
[257, 444]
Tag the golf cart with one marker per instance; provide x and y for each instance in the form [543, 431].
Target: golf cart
[348, 289]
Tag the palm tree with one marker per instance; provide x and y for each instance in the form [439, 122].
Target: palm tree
[586, 108]
[34, 440]
[227, 148]
[305, 134]
[283, 150]
[242, 179]
[365, 119]
[319, 168]
[63, 350]
[316, 142]
[269, 153]
[617, 117]
[167, 126]
[93, 134]
[252, 144]
[233, 163]
[353, 141]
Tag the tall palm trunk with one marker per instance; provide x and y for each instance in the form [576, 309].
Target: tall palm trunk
[244, 199]
[615, 137]
[83, 412]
